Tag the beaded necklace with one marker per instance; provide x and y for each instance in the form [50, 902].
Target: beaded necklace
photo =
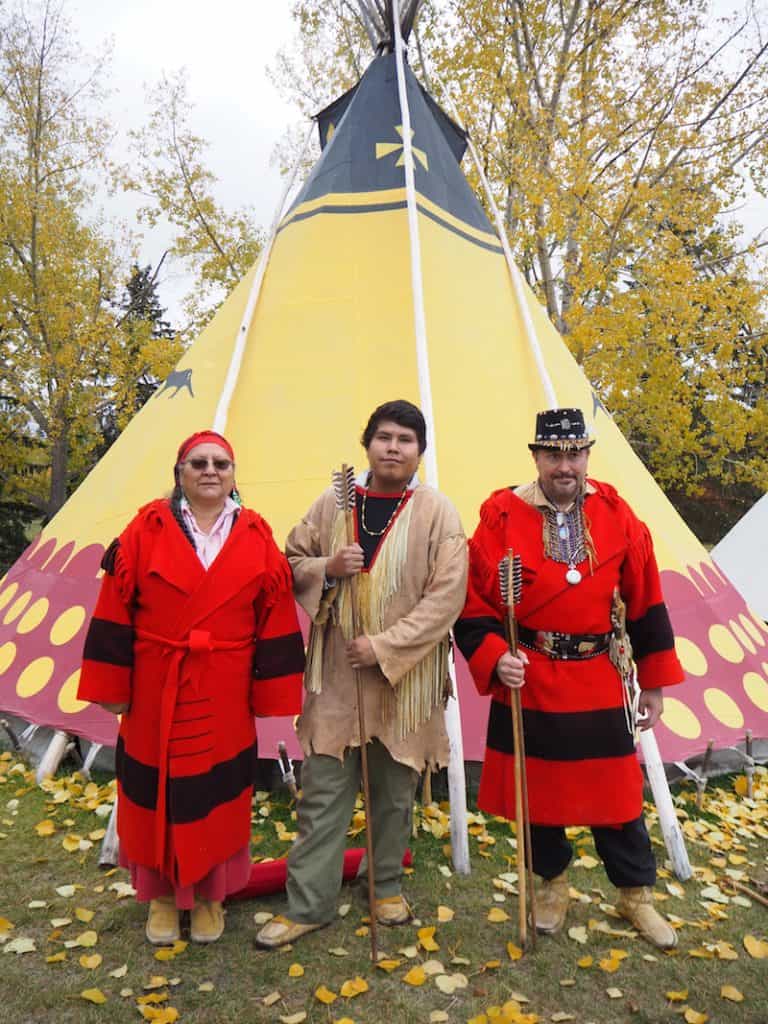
[380, 533]
[565, 538]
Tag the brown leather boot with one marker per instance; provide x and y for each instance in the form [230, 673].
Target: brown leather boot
[551, 901]
[636, 905]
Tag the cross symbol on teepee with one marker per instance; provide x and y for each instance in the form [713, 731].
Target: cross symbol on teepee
[385, 148]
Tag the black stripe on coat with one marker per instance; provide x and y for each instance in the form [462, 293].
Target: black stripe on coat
[562, 736]
[109, 642]
[652, 632]
[279, 656]
[192, 797]
[470, 633]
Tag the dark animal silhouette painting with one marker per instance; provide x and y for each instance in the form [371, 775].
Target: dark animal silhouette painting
[178, 379]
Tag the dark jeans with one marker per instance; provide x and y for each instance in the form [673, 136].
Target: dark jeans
[626, 852]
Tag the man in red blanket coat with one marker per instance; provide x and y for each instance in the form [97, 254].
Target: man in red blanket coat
[586, 559]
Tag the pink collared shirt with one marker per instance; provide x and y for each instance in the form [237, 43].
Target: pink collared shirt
[208, 545]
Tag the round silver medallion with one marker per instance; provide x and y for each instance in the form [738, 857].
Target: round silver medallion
[573, 576]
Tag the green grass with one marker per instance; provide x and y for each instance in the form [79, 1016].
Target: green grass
[33, 866]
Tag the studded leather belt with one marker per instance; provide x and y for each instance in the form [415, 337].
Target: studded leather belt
[564, 646]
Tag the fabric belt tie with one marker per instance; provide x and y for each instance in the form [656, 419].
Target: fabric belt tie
[564, 646]
[199, 643]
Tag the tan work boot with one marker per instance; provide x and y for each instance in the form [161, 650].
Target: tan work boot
[206, 921]
[551, 902]
[636, 905]
[392, 910]
[163, 921]
[281, 930]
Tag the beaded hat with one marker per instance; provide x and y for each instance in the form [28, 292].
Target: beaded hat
[561, 428]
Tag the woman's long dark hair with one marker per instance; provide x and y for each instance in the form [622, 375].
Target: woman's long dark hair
[176, 495]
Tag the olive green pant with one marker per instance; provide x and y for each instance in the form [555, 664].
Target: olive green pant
[329, 788]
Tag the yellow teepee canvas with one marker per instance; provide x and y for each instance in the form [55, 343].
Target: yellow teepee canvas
[331, 337]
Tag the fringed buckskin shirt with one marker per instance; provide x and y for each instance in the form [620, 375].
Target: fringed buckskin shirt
[410, 598]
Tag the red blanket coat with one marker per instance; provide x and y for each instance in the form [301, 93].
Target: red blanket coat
[197, 654]
[580, 758]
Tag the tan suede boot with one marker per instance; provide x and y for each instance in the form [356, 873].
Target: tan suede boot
[551, 902]
[636, 905]
[392, 910]
[206, 921]
[163, 921]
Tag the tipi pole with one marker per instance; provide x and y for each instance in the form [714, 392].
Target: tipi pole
[456, 782]
[230, 382]
[654, 766]
[368, 23]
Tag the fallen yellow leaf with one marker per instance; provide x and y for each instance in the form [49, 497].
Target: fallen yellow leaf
[496, 915]
[84, 915]
[354, 987]
[152, 999]
[578, 934]
[156, 981]
[45, 828]
[272, 998]
[513, 952]
[205, 986]
[438, 1017]
[324, 995]
[677, 997]
[614, 993]
[119, 972]
[295, 971]
[585, 961]
[444, 914]
[87, 939]
[731, 993]
[388, 964]
[90, 962]
[56, 958]
[610, 964]
[416, 976]
[756, 948]
[93, 995]
[294, 1018]
[427, 939]
[694, 1017]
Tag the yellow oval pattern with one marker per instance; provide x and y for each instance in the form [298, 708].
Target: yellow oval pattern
[7, 654]
[33, 616]
[756, 688]
[724, 708]
[17, 607]
[741, 636]
[752, 629]
[680, 720]
[35, 677]
[691, 656]
[67, 625]
[68, 700]
[725, 643]
[7, 594]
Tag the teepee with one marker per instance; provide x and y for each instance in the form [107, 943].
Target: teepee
[741, 553]
[384, 279]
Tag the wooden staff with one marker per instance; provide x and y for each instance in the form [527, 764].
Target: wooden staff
[344, 485]
[510, 579]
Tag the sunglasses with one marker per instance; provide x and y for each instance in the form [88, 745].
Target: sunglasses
[200, 463]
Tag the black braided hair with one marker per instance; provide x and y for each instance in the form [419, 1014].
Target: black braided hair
[176, 496]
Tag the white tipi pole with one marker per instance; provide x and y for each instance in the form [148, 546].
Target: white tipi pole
[670, 827]
[230, 382]
[456, 781]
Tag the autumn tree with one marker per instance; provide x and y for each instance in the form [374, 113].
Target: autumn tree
[169, 170]
[61, 342]
[619, 138]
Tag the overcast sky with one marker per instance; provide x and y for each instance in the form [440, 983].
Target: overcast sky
[226, 48]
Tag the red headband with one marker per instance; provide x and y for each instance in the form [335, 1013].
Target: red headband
[203, 437]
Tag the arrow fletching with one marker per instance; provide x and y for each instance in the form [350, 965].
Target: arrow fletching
[344, 487]
[511, 579]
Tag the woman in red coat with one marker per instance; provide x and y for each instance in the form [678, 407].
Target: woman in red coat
[194, 633]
